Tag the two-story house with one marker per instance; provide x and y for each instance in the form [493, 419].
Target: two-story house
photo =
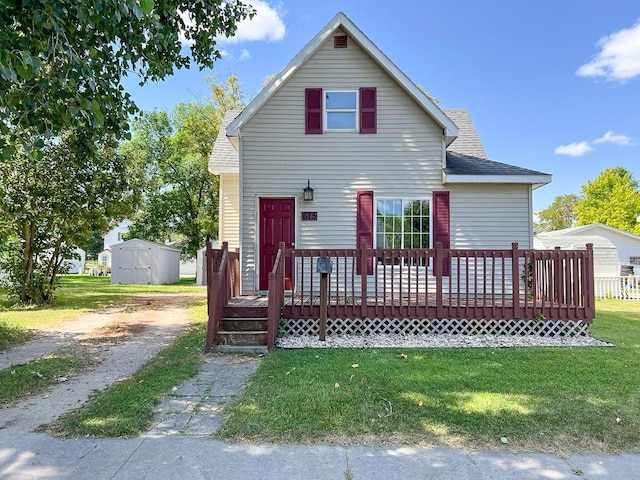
[387, 167]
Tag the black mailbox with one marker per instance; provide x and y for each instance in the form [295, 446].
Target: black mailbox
[324, 265]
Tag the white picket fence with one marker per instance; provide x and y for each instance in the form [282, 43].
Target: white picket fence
[625, 288]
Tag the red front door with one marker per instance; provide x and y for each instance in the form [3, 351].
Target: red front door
[277, 224]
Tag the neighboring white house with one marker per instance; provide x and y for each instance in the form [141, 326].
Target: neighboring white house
[605, 254]
[104, 258]
[110, 238]
[115, 235]
[140, 262]
[626, 243]
[388, 167]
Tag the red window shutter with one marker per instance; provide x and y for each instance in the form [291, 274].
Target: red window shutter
[368, 116]
[364, 227]
[441, 224]
[313, 110]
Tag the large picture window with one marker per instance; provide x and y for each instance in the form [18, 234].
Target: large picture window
[402, 223]
[340, 110]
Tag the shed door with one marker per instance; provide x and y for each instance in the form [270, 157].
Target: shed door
[277, 224]
[135, 265]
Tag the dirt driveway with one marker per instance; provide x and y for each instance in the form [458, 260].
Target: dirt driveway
[118, 340]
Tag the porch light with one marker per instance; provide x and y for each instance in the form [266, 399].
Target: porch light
[307, 192]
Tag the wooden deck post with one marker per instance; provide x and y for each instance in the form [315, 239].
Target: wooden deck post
[439, 279]
[324, 300]
[364, 271]
[515, 280]
[589, 289]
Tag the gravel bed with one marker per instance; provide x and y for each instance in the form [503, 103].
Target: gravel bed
[437, 341]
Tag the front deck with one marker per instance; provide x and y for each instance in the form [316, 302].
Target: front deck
[478, 286]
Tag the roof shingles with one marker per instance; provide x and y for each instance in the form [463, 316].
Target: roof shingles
[224, 156]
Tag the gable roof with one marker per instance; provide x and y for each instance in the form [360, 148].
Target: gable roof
[468, 141]
[224, 156]
[341, 20]
[583, 229]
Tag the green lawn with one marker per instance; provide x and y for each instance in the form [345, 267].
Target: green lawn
[556, 399]
[78, 295]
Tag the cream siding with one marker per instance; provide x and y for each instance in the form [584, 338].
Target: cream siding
[490, 216]
[403, 159]
[229, 210]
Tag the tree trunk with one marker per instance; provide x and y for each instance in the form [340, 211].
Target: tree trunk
[28, 231]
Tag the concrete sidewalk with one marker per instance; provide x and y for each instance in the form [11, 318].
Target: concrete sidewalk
[38, 456]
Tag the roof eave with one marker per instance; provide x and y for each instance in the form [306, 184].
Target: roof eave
[218, 169]
[341, 20]
[536, 181]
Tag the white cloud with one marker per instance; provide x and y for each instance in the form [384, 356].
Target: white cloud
[615, 138]
[575, 149]
[266, 25]
[619, 57]
[244, 54]
[225, 53]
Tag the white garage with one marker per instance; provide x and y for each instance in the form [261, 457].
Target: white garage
[605, 254]
[142, 262]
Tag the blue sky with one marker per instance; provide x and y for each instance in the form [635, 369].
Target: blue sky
[552, 85]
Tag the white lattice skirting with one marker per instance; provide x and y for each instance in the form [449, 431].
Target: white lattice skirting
[406, 326]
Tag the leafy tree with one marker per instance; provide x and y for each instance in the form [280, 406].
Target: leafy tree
[170, 151]
[560, 214]
[612, 198]
[62, 61]
[52, 203]
[94, 246]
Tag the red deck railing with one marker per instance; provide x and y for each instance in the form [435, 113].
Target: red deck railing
[443, 283]
[223, 283]
[276, 296]
[512, 284]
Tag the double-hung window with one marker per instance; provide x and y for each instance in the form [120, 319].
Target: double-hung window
[402, 223]
[340, 110]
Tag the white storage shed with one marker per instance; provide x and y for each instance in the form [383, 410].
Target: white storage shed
[605, 254]
[141, 262]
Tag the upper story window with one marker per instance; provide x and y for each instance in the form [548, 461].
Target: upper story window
[340, 110]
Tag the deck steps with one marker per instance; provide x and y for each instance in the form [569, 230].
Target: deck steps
[242, 328]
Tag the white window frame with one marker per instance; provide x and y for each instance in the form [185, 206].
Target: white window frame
[325, 111]
[403, 200]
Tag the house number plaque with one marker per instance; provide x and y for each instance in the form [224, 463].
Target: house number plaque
[309, 216]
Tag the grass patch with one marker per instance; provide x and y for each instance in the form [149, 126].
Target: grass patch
[78, 295]
[555, 399]
[11, 335]
[127, 408]
[29, 378]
